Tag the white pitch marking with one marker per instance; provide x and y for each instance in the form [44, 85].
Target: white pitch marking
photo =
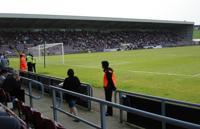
[158, 73]
[86, 66]
[99, 66]
[196, 75]
[135, 71]
[121, 63]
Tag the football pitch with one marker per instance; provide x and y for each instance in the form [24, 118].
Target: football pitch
[167, 72]
[196, 34]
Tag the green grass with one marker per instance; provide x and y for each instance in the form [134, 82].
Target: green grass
[196, 34]
[168, 72]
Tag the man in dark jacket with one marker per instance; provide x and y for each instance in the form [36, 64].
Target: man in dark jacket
[72, 83]
[12, 85]
[3, 75]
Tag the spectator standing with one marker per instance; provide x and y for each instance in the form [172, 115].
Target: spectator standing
[12, 85]
[109, 83]
[23, 62]
[0, 60]
[29, 59]
[3, 74]
[34, 64]
[4, 61]
[72, 83]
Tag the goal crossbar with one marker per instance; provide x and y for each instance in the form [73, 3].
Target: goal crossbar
[46, 46]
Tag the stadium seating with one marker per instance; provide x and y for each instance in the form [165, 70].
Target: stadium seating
[28, 113]
[48, 123]
[35, 119]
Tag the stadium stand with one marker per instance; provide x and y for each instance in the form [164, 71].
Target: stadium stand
[89, 34]
[82, 41]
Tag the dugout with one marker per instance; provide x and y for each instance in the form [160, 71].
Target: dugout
[167, 107]
[86, 89]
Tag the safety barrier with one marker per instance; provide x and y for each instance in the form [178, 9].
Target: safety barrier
[103, 105]
[30, 85]
[162, 106]
[55, 81]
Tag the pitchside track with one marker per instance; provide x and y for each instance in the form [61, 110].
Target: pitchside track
[167, 72]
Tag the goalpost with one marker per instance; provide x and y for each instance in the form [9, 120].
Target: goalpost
[51, 49]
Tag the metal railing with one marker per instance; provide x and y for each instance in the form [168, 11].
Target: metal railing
[103, 105]
[155, 98]
[50, 80]
[29, 86]
[163, 102]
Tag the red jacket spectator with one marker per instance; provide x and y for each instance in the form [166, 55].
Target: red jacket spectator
[22, 62]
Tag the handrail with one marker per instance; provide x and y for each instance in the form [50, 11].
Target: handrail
[29, 93]
[51, 79]
[103, 103]
[157, 98]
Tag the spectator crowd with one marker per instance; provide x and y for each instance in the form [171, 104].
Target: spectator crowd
[86, 40]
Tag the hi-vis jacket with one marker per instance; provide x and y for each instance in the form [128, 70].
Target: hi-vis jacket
[109, 78]
[23, 63]
[29, 59]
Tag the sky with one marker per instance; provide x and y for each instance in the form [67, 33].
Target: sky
[178, 10]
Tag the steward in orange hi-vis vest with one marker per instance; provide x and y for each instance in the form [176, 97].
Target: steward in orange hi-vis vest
[109, 79]
[109, 84]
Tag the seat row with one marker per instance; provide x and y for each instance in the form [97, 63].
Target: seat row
[35, 119]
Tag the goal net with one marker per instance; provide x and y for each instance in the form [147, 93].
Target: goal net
[54, 52]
